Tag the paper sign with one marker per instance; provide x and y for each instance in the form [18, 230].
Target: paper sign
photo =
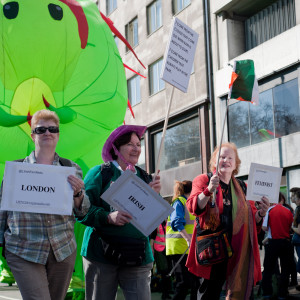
[179, 55]
[131, 194]
[263, 181]
[37, 188]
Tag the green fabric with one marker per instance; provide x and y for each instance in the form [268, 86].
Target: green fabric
[86, 86]
[242, 87]
[234, 200]
[84, 83]
[97, 218]
[6, 275]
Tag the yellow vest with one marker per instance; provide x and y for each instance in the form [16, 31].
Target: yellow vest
[175, 243]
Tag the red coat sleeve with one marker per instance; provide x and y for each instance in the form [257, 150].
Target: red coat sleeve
[199, 185]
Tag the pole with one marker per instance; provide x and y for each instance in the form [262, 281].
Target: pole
[217, 167]
[164, 132]
[178, 262]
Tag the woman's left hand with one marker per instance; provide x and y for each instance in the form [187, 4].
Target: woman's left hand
[155, 184]
[264, 205]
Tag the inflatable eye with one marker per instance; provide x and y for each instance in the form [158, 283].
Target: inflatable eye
[56, 12]
[11, 10]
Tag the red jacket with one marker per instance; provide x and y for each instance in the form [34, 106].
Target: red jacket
[199, 184]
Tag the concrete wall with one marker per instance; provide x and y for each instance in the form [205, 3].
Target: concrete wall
[274, 55]
[152, 109]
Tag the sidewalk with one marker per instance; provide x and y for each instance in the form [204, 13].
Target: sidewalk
[12, 292]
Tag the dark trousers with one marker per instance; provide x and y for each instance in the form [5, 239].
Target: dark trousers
[163, 264]
[184, 280]
[210, 289]
[280, 248]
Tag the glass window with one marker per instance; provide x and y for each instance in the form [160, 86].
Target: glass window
[179, 5]
[131, 31]
[271, 21]
[278, 114]
[261, 118]
[156, 84]
[238, 127]
[286, 108]
[154, 18]
[182, 145]
[111, 5]
[142, 160]
[134, 93]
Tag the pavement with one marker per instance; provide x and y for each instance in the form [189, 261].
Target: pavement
[12, 292]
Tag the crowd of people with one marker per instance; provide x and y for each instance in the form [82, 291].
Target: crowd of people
[207, 247]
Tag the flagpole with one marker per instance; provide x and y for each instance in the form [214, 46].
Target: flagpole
[164, 132]
[221, 141]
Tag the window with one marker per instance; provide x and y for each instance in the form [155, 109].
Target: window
[156, 84]
[111, 5]
[131, 31]
[277, 114]
[134, 93]
[154, 18]
[179, 5]
[182, 144]
[269, 22]
[116, 41]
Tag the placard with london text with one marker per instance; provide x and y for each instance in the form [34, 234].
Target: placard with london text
[131, 194]
[37, 188]
[263, 181]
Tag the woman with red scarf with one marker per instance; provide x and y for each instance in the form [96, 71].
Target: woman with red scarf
[233, 213]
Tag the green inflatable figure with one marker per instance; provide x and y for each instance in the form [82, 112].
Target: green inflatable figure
[59, 55]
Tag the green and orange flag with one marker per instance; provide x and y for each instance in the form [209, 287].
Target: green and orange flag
[244, 86]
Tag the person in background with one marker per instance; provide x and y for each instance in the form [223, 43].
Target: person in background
[114, 251]
[178, 238]
[239, 217]
[40, 249]
[277, 222]
[295, 198]
[158, 245]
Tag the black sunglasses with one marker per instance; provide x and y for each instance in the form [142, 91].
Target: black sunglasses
[43, 129]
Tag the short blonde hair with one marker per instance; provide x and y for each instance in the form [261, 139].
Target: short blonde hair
[214, 157]
[46, 115]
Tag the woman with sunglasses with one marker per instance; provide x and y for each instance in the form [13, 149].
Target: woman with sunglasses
[40, 249]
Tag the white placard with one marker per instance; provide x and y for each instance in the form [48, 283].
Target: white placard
[179, 55]
[37, 188]
[263, 181]
[131, 194]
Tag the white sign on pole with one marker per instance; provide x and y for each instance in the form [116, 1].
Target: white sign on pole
[37, 188]
[131, 194]
[263, 181]
[179, 55]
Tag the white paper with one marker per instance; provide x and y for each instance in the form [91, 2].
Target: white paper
[37, 188]
[131, 194]
[263, 181]
[179, 55]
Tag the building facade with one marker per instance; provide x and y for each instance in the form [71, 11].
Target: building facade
[269, 33]
[266, 31]
[146, 24]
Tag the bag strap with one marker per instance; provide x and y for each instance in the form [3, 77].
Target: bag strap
[147, 178]
[106, 174]
[63, 161]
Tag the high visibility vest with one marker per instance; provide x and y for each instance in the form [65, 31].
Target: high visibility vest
[175, 243]
[160, 240]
